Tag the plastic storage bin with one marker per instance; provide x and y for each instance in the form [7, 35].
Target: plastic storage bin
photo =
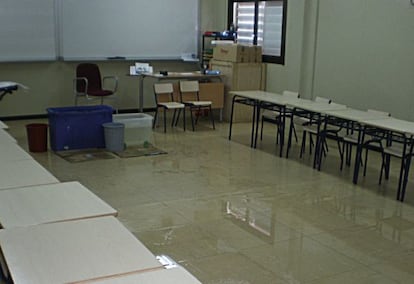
[114, 136]
[138, 127]
[78, 127]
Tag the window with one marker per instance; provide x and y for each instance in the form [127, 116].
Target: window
[261, 23]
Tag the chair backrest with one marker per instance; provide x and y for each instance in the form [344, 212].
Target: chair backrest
[291, 94]
[323, 100]
[189, 89]
[379, 112]
[91, 72]
[164, 92]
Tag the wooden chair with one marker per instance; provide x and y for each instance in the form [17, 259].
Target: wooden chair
[164, 98]
[190, 97]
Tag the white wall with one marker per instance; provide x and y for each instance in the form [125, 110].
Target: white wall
[364, 54]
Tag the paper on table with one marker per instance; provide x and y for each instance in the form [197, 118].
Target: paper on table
[7, 84]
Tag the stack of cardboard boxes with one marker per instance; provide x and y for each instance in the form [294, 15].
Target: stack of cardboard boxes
[243, 70]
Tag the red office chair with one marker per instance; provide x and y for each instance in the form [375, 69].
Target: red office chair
[90, 85]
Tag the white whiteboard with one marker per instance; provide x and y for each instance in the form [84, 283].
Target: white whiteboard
[134, 29]
[27, 30]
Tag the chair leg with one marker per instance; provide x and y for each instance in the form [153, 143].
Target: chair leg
[294, 133]
[192, 119]
[365, 162]
[342, 153]
[173, 118]
[212, 117]
[165, 120]
[155, 118]
[303, 146]
[183, 118]
[261, 130]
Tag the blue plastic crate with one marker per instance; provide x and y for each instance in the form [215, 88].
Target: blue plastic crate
[78, 127]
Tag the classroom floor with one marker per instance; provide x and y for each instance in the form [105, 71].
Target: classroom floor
[232, 214]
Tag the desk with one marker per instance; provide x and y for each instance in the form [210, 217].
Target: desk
[315, 111]
[74, 251]
[171, 76]
[24, 173]
[12, 152]
[258, 100]
[6, 137]
[9, 87]
[406, 129]
[176, 275]
[34, 205]
[357, 116]
[3, 125]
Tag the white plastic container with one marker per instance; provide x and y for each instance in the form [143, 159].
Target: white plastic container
[138, 127]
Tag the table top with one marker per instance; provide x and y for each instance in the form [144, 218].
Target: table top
[355, 114]
[179, 75]
[166, 276]
[263, 96]
[392, 124]
[318, 107]
[11, 151]
[6, 137]
[26, 206]
[3, 125]
[24, 173]
[73, 251]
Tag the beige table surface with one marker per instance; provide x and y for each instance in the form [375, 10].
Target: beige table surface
[11, 151]
[6, 137]
[177, 275]
[42, 204]
[24, 173]
[73, 251]
[3, 125]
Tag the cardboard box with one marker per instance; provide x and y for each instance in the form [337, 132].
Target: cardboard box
[255, 54]
[232, 53]
[239, 77]
[238, 53]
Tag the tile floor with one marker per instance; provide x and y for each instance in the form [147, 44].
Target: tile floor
[232, 214]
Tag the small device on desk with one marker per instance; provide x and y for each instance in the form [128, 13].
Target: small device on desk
[164, 73]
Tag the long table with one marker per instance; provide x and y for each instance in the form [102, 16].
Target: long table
[406, 129]
[75, 251]
[24, 173]
[34, 205]
[171, 76]
[357, 118]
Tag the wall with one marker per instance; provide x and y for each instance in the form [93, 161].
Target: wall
[364, 54]
[357, 52]
[50, 83]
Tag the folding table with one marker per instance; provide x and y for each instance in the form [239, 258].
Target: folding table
[73, 252]
[34, 205]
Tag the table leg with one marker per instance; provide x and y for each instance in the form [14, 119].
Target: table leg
[407, 170]
[361, 138]
[231, 116]
[141, 93]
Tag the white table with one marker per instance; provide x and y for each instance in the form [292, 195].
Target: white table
[42, 204]
[24, 173]
[406, 129]
[3, 125]
[74, 251]
[195, 75]
[177, 275]
[357, 116]
[5, 137]
[316, 111]
[258, 100]
[11, 151]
